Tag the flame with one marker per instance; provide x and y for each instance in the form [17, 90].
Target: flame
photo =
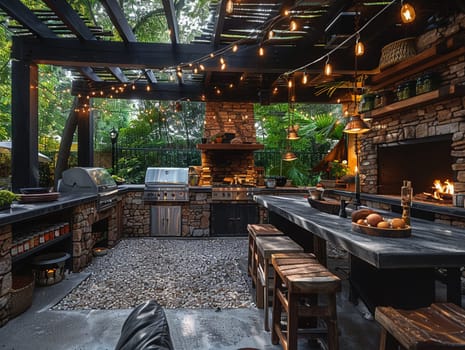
[442, 188]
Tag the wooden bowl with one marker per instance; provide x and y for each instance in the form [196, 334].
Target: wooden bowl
[329, 206]
[382, 232]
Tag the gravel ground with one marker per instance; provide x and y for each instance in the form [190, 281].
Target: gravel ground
[178, 273]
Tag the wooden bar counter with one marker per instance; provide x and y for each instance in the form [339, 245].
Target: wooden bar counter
[398, 272]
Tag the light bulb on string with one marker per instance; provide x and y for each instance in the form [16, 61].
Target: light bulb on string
[234, 48]
[359, 47]
[407, 12]
[261, 51]
[229, 7]
[328, 69]
[270, 34]
[293, 26]
[304, 78]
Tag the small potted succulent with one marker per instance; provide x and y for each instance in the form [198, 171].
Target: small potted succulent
[6, 198]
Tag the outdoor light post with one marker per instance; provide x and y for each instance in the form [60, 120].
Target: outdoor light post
[114, 140]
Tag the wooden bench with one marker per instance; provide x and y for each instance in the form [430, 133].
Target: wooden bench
[299, 283]
[266, 247]
[437, 327]
[255, 230]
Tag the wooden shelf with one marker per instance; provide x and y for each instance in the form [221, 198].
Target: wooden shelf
[230, 146]
[40, 247]
[428, 97]
[428, 59]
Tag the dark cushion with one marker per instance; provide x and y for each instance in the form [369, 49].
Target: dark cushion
[146, 328]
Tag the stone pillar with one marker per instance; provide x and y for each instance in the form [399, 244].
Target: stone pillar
[5, 272]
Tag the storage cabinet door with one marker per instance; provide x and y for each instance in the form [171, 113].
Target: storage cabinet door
[228, 219]
[165, 220]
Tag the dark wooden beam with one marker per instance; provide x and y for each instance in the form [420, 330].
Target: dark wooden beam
[75, 23]
[197, 92]
[72, 52]
[170, 15]
[24, 126]
[15, 9]
[70, 17]
[118, 19]
[219, 23]
[85, 133]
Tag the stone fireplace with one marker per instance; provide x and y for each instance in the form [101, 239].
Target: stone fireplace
[421, 160]
[237, 119]
[424, 140]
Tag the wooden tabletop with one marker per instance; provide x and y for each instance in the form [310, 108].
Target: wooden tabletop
[430, 245]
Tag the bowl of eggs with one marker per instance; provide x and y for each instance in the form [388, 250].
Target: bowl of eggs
[371, 223]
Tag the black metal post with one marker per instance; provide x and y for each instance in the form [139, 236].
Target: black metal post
[357, 202]
[114, 140]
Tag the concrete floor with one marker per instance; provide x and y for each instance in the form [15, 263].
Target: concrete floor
[41, 328]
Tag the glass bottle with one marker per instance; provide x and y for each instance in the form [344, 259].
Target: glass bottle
[406, 194]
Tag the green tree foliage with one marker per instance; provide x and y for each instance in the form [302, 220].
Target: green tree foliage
[320, 127]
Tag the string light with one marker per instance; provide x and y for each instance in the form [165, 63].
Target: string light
[270, 34]
[293, 26]
[359, 47]
[235, 48]
[261, 51]
[304, 78]
[407, 12]
[328, 68]
[229, 7]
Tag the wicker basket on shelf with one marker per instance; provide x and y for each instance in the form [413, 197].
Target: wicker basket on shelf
[21, 294]
[396, 52]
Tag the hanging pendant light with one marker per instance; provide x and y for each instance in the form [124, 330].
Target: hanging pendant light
[407, 13]
[356, 125]
[289, 156]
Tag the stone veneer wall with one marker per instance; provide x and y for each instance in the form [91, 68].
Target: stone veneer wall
[229, 117]
[196, 215]
[5, 272]
[84, 216]
[136, 215]
[441, 117]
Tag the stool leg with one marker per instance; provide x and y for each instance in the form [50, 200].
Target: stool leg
[333, 337]
[387, 341]
[292, 321]
[277, 309]
[266, 305]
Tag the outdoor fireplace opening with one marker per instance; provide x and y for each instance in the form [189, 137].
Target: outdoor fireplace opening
[422, 161]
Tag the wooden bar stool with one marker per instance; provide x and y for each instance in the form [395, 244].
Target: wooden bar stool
[299, 283]
[266, 246]
[439, 326]
[254, 231]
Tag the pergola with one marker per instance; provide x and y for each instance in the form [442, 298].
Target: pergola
[221, 64]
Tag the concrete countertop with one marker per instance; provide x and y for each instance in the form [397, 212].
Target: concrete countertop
[20, 212]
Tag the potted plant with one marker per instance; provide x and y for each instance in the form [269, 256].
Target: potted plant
[6, 198]
[217, 138]
[335, 171]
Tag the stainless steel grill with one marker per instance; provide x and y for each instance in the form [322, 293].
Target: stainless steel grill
[90, 180]
[166, 185]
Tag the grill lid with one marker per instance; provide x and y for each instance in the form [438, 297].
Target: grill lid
[166, 176]
[86, 179]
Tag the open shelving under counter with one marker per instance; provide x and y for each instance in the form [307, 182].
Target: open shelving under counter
[230, 146]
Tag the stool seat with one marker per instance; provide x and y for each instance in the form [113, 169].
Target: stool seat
[263, 229]
[299, 280]
[255, 230]
[266, 247]
[439, 326]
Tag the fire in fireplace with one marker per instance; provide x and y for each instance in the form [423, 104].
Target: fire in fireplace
[420, 161]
